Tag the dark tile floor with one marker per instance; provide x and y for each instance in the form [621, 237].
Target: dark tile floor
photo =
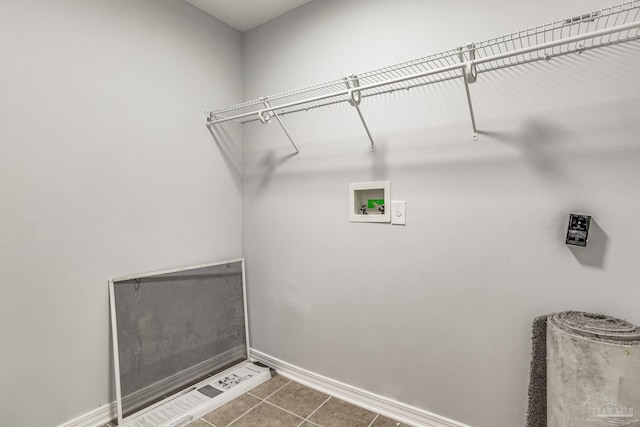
[280, 402]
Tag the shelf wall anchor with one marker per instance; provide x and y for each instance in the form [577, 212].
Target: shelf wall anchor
[355, 96]
[469, 75]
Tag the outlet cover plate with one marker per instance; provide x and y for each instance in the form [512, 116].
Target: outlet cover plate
[399, 212]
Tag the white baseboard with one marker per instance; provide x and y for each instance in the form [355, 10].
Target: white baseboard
[406, 414]
[109, 412]
[98, 417]
[390, 408]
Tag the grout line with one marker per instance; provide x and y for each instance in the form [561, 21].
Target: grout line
[316, 410]
[303, 419]
[321, 405]
[261, 401]
[202, 419]
[285, 410]
[308, 422]
[258, 397]
[250, 409]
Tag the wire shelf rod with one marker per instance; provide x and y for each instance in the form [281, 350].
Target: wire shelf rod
[344, 92]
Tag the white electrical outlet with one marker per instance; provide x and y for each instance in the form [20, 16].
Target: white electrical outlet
[399, 212]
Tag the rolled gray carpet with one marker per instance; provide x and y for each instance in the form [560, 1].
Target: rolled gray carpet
[593, 371]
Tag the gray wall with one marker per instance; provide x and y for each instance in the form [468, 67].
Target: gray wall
[106, 169]
[437, 314]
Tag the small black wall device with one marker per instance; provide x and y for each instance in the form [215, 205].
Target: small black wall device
[578, 230]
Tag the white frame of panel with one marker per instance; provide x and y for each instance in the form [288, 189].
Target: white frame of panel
[114, 326]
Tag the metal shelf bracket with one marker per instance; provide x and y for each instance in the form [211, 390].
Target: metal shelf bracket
[267, 115]
[470, 75]
[355, 96]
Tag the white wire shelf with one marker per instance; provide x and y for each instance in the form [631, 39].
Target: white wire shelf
[605, 27]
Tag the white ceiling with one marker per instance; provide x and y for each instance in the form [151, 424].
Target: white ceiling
[244, 15]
